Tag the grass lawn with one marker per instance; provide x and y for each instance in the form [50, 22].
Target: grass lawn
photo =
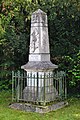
[71, 112]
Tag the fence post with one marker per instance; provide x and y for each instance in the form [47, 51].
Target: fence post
[12, 86]
[65, 86]
[34, 87]
[44, 89]
[18, 87]
[31, 78]
[21, 85]
[37, 87]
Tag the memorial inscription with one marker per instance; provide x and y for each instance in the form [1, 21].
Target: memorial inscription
[34, 40]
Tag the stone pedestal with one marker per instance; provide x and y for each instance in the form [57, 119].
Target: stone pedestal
[39, 109]
[40, 87]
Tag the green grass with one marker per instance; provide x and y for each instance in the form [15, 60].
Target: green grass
[71, 112]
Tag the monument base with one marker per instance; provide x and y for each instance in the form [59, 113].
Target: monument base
[39, 66]
[39, 109]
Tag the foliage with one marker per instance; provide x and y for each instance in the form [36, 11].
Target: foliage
[75, 71]
[73, 68]
[64, 32]
[13, 43]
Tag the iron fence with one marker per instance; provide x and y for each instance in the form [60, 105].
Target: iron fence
[38, 87]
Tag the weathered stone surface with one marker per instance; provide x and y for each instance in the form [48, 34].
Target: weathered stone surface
[30, 94]
[35, 90]
[39, 66]
[39, 40]
[39, 61]
[38, 109]
[39, 53]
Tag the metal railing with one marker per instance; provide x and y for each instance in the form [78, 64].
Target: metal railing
[38, 87]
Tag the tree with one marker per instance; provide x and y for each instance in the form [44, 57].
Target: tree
[64, 31]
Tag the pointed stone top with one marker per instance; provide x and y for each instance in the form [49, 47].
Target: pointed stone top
[39, 55]
[39, 11]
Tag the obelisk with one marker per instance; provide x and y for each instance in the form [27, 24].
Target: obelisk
[39, 53]
[40, 86]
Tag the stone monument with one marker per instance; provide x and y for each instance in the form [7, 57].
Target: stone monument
[39, 53]
[41, 87]
[39, 58]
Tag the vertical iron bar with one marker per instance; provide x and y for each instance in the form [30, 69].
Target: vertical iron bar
[18, 87]
[60, 86]
[41, 87]
[21, 84]
[31, 86]
[44, 88]
[52, 89]
[57, 82]
[37, 86]
[65, 86]
[15, 88]
[53, 86]
[28, 86]
[16, 83]
[49, 87]
[12, 86]
[34, 88]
